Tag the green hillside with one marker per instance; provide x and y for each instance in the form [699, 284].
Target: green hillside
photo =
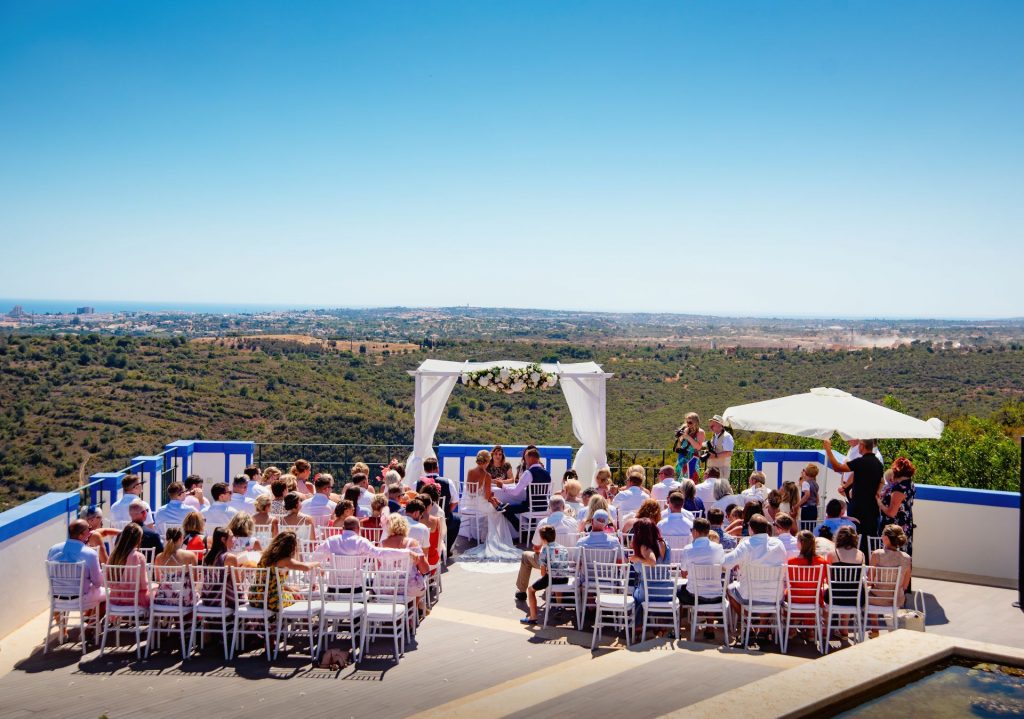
[74, 405]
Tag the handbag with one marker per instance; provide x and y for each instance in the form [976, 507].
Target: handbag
[913, 618]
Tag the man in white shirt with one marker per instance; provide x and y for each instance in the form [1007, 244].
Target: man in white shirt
[785, 532]
[175, 511]
[219, 513]
[194, 498]
[365, 493]
[678, 522]
[757, 490]
[721, 446]
[414, 509]
[702, 551]
[628, 500]
[666, 483]
[347, 544]
[557, 518]
[706, 489]
[255, 486]
[240, 502]
[759, 549]
[320, 504]
[131, 489]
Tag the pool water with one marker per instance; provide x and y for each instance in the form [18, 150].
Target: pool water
[955, 688]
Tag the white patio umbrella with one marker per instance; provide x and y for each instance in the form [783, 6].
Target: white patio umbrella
[825, 410]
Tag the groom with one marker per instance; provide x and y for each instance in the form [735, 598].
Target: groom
[517, 496]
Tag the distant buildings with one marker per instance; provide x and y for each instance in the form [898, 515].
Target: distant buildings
[85, 310]
[18, 311]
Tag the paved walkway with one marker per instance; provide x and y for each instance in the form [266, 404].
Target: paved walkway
[471, 658]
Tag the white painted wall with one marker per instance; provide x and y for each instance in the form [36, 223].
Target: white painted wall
[23, 573]
[966, 539]
[210, 466]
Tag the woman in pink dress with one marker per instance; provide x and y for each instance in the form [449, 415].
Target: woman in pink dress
[126, 554]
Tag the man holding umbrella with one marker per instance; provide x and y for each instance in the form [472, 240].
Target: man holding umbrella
[861, 487]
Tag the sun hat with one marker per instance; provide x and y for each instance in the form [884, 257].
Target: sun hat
[718, 418]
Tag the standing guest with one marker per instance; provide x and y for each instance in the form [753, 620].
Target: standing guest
[320, 505]
[572, 492]
[552, 556]
[863, 486]
[139, 514]
[650, 509]
[131, 490]
[194, 498]
[715, 517]
[720, 445]
[691, 502]
[343, 510]
[395, 496]
[219, 513]
[278, 490]
[690, 439]
[896, 503]
[809, 493]
[759, 549]
[629, 499]
[174, 511]
[790, 497]
[93, 516]
[75, 550]
[448, 491]
[603, 483]
[666, 483]
[303, 471]
[706, 489]
[293, 517]
[515, 499]
[126, 554]
[599, 537]
[193, 527]
[756, 489]
[238, 500]
[890, 554]
[785, 530]
[678, 522]
[376, 518]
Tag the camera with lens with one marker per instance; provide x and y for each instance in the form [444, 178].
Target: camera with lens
[679, 432]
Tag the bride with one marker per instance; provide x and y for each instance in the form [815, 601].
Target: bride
[482, 498]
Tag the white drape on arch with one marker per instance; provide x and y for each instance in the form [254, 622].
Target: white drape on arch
[583, 385]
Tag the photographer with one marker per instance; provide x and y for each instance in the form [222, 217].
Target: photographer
[689, 440]
[719, 447]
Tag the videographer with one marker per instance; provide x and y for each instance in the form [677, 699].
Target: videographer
[689, 440]
[719, 447]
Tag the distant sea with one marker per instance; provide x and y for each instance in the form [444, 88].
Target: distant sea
[108, 306]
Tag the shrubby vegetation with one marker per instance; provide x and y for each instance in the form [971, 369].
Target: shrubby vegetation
[78, 404]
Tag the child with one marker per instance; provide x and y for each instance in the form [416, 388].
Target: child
[551, 555]
[835, 517]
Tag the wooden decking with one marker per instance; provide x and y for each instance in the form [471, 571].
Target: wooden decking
[471, 658]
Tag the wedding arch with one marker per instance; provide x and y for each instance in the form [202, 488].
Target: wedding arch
[583, 386]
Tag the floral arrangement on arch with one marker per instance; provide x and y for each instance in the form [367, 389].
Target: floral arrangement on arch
[510, 381]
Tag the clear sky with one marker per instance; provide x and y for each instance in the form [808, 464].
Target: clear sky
[783, 157]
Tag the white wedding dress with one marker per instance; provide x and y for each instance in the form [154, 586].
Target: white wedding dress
[498, 546]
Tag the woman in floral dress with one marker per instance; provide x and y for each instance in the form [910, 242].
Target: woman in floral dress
[896, 501]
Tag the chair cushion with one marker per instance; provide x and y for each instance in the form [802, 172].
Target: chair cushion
[377, 610]
[614, 601]
[343, 609]
[250, 612]
[300, 609]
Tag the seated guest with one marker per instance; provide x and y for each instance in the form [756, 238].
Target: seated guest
[175, 510]
[139, 513]
[432, 496]
[789, 496]
[278, 490]
[571, 493]
[785, 530]
[347, 544]
[701, 552]
[362, 480]
[193, 528]
[257, 484]
[126, 554]
[194, 498]
[262, 516]
[603, 483]
[280, 554]
[772, 505]
[245, 548]
[890, 554]
[678, 522]
[724, 495]
[629, 499]
[715, 517]
[666, 483]
[320, 506]
[219, 513]
[742, 529]
[823, 542]
[835, 517]
[650, 509]
[806, 556]
[756, 490]
[93, 516]
[174, 555]
[596, 502]
[692, 502]
[438, 489]
[239, 501]
[270, 475]
[376, 518]
[846, 554]
[433, 524]
[649, 550]
[557, 518]
[353, 494]
[293, 518]
[706, 489]
[75, 550]
[414, 510]
[218, 556]
[759, 549]
[395, 496]
[552, 555]
[397, 529]
[131, 489]
[342, 511]
[599, 538]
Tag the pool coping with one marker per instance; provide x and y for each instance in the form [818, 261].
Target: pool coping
[844, 674]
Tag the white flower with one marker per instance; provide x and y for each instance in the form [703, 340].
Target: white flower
[466, 379]
[485, 380]
[493, 388]
[535, 377]
[504, 374]
[552, 381]
[518, 387]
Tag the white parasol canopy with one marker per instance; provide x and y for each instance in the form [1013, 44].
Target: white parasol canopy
[825, 410]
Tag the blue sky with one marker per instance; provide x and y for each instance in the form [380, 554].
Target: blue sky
[801, 158]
